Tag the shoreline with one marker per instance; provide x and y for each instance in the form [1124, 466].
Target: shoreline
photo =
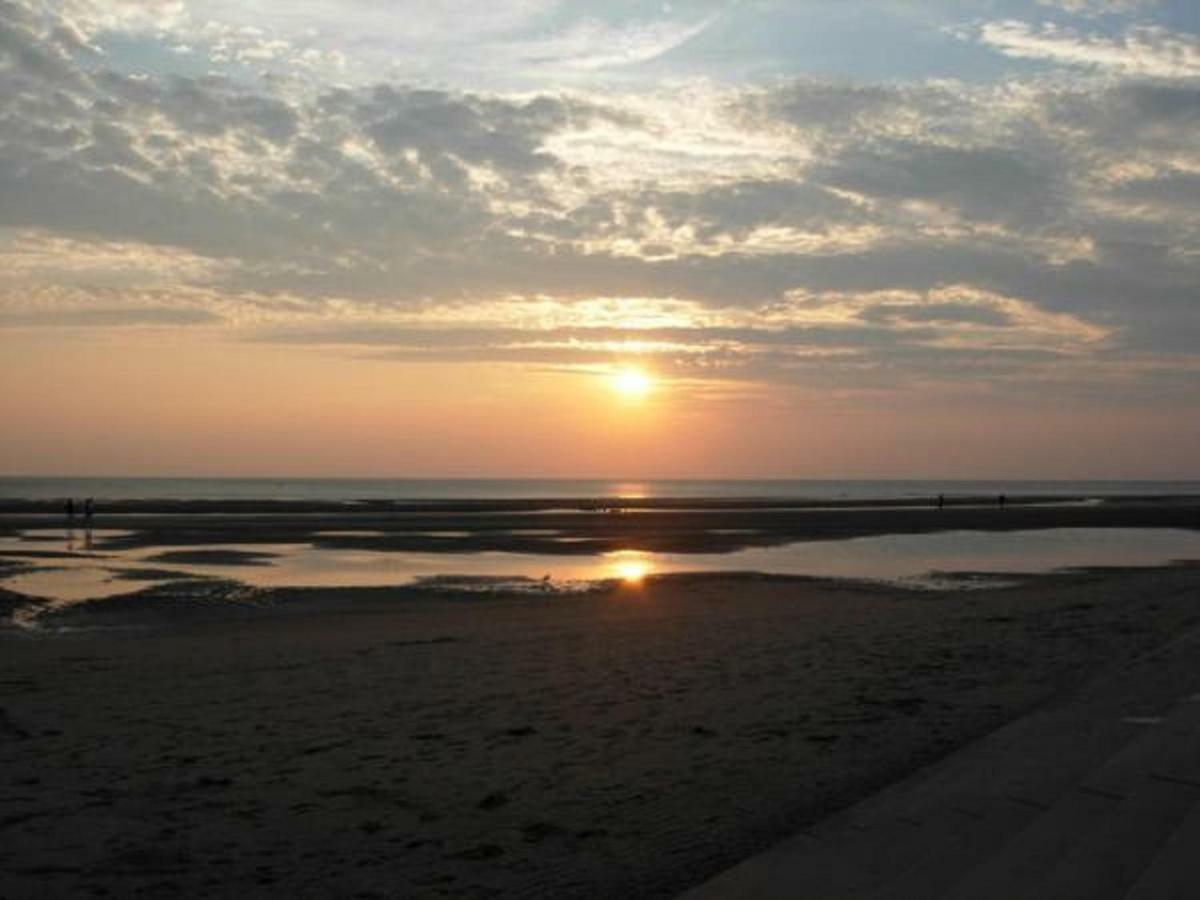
[631, 741]
[514, 527]
[201, 557]
[575, 503]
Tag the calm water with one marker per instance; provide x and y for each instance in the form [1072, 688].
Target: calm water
[917, 559]
[338, 489]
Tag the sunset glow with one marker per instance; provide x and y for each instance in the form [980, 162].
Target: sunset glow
[871, 239]
[633, 384]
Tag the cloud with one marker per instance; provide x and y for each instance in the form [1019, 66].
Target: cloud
[981, 183]
[751, 229]
[853, 338]
[472, 130]
[100, 317]
[593, 44]
[1144, 50]
[1098, 7]
[31, 51]
[356, 42]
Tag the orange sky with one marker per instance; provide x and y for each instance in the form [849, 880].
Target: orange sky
[151, 404]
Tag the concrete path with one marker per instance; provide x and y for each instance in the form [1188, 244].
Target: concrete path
[1096, 796]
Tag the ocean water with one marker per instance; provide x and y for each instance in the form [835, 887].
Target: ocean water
[434, 489]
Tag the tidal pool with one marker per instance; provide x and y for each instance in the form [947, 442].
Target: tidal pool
[89, 569]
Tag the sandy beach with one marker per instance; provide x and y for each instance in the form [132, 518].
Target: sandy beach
[631, 741]
[563, 450]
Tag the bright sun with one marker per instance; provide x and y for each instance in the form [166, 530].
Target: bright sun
[632, 383]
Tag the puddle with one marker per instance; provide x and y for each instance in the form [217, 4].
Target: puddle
[930, 560]
[75, 585]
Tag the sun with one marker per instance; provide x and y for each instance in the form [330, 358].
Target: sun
[631, 382]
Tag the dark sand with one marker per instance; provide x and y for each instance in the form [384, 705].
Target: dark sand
[215, 557]
[590, 526]
[628, 742]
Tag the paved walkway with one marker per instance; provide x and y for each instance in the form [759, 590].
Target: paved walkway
[1097, 796]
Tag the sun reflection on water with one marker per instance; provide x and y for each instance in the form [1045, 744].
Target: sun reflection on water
[630, 566]
[632, 491]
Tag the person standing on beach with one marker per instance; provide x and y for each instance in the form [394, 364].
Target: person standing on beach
[87, 510]
[941, 500]
[70, 509]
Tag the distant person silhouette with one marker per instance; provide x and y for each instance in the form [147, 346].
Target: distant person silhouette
[70, 509]
[1000, 500]
[941, 500]
[88, 509]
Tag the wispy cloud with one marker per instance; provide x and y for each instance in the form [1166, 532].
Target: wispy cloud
[1098, 7]
[593, 44]
[1142, 50]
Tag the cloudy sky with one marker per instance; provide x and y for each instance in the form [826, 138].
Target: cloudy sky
[390, 237]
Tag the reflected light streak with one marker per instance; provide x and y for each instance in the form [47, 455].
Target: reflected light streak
[632, 491]
[630, 566]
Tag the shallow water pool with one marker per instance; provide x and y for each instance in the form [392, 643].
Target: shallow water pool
[935, 559]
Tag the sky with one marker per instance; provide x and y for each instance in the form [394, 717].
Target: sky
[884, 238]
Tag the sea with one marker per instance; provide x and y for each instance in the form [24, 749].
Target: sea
[435, 489]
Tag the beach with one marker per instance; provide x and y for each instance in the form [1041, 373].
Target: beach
[633, 739]
[600, 450]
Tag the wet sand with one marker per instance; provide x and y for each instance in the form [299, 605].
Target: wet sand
[586, 526]
[631, 741]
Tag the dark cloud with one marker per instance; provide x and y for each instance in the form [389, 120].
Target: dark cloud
[1179, 190]
[1173, 103]
[822, 106]
[27, 55]
[982, 183]
[437, 124]
[100, 317]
